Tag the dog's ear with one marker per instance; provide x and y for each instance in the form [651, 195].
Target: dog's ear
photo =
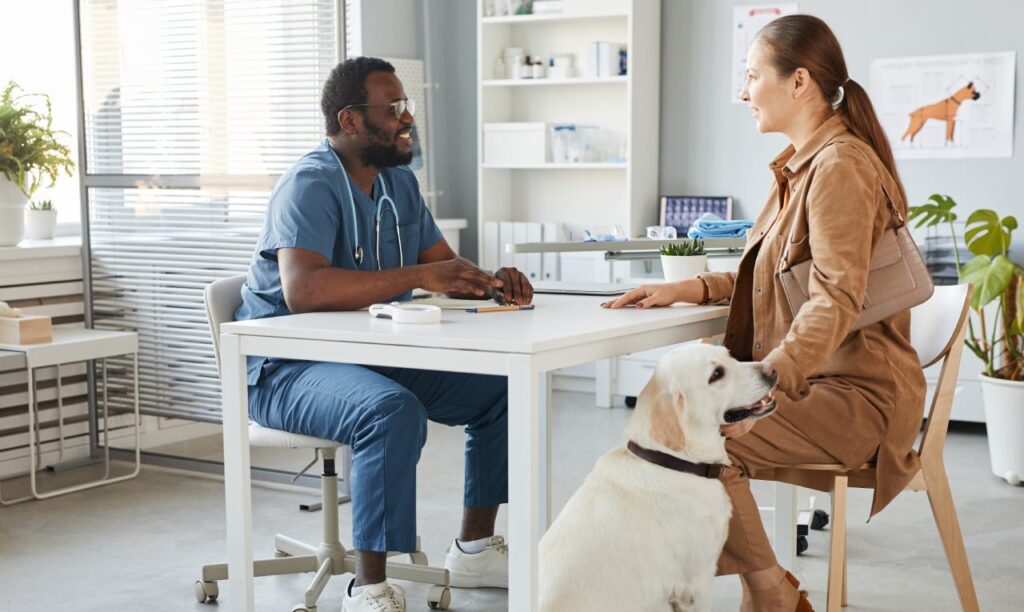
[665, 414]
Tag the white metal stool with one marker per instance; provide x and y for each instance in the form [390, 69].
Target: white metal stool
[330, 558]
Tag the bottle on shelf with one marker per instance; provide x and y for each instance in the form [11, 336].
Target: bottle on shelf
[537, 70]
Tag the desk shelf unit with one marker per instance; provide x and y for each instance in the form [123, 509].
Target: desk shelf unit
[580, 195]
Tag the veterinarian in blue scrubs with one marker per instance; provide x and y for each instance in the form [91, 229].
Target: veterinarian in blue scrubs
[346, 227]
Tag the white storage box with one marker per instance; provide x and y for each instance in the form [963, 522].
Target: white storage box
[515, 144]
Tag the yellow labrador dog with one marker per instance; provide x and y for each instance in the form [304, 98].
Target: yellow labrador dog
[645, 530]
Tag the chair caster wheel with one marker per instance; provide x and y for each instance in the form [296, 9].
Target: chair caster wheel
[418, 558]
[801, 544]
[630, 401]
[206, 592]
[439, 597]
[819, 519]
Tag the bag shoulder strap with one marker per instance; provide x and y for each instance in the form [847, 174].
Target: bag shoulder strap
[885, 181]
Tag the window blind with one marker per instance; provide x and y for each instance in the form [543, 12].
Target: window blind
[192, 110]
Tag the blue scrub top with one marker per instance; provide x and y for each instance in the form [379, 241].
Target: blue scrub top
[310, 209]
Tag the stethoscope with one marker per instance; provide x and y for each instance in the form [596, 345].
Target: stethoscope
[357, 251]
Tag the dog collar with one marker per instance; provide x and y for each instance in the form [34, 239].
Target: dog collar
[706, 470]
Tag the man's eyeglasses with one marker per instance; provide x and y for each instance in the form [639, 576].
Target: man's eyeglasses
[399, 107]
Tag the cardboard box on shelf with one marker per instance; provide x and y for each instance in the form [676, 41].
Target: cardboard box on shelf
[26, 329]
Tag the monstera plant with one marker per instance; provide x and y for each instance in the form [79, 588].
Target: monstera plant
[998, 341]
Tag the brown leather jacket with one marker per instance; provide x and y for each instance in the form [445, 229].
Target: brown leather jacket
[829, 202]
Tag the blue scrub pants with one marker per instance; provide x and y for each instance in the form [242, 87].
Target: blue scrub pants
[382, 414]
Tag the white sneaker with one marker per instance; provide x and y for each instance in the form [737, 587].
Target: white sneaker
[487, 568]
[381, 597]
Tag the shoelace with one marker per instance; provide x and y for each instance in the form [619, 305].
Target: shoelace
[499, 543]
[386, 600]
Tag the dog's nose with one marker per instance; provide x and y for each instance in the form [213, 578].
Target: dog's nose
[769, 373]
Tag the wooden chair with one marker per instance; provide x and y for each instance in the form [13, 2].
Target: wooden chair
[937, 333]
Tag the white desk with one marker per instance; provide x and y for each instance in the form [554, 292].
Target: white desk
[524, 346]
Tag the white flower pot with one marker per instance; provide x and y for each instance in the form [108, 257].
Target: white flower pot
[39, 224]
[1004, 420]
[678, 267]
[12, 213]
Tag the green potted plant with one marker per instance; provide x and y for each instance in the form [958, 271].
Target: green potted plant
[683, 260]
[998, 341]
[40, 220]
[30, 157]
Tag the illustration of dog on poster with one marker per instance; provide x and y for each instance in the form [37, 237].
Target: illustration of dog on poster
[943, 110]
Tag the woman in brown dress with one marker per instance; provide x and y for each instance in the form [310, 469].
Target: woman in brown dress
[846, 396]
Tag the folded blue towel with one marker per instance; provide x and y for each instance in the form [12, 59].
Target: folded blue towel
[710, 225]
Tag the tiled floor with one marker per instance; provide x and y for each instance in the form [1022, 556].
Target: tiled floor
[139, 545]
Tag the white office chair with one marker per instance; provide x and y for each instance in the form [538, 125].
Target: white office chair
[330, 558]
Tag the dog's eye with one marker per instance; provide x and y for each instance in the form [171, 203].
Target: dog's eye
[717, 374]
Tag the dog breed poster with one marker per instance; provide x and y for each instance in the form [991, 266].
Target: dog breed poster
[946, 106]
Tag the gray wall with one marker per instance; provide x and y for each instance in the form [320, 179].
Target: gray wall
[392, 28]
[452, 33]
[395, 28]
[710, 146]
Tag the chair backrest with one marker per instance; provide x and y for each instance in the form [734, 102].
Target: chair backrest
[222, 298]
[937, 330]
[934, 324]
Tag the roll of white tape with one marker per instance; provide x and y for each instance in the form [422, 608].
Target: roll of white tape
[407, 313]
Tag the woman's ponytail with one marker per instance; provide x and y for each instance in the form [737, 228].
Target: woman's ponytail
[860, 116]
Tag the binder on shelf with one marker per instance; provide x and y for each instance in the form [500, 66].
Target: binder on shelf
[490, 254]
[550, 232]
[506, 236]
[534, 260]
[519, 232]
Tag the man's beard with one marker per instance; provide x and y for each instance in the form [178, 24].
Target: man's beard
[382, 151]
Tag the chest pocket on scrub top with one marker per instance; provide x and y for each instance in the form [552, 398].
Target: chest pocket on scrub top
[390, 256]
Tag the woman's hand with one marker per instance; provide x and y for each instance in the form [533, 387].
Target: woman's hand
[735, 430]
[664, 294]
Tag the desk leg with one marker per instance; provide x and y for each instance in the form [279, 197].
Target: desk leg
[604, 379]
[545, 451]
[784, 528]
[237, 492]
[526, 476]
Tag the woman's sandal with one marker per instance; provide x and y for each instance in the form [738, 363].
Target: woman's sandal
[779, 597]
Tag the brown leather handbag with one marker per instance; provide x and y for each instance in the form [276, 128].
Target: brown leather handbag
[897, 277]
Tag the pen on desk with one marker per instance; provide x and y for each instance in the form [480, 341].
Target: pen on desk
[504, 308]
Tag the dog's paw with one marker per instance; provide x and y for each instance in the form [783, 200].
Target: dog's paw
[683, 602]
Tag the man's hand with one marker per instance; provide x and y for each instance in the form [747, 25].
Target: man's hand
[458, 276]
[515, 287]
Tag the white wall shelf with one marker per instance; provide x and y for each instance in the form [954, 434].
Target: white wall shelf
[551, 166]
[615, 80]
[572, 197]
[626, 108]
[555, 17]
